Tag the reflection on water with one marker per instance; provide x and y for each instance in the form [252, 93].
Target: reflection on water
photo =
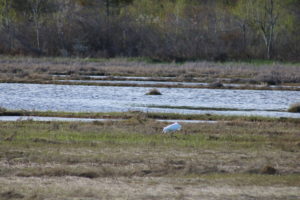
[76, 98]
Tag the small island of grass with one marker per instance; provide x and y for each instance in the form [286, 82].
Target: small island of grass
[154, 92]
[295, 108]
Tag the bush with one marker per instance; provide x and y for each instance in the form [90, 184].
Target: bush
[294, 108]
[268, 170]
[153, 92]
[2, 110]
[270, 78]
[216, 85]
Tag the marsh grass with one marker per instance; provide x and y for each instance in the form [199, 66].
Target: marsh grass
[134, 132]
[154, 91]
[3, 110]
[258, 179]
[216, 85]
[140, 116]
[40, 69]
[12, 194]
[44, 156]
[60, 172]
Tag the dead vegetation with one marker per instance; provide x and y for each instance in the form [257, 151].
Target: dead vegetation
[81, 160]
[11, 194]
[294, 108]
[154, 91]
[43, 69]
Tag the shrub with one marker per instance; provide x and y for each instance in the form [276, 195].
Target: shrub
[216, 85]
[294, 108]
[270, 78]
[268, 170]
[2, 110]
[153, 92]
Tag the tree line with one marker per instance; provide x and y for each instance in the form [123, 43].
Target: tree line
[163, 30]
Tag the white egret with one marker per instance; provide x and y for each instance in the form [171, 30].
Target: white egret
[172, 128]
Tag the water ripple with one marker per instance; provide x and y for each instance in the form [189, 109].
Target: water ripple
[78, 98]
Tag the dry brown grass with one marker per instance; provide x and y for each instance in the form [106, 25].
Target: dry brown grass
[41, 69]
[141, 188]
[132, 159]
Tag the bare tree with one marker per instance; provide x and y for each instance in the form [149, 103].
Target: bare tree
[6, 20]
[36, 13]
[263, 16]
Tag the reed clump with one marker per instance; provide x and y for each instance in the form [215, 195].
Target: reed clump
[216, 85]
[2, 110]
[294, 108]
[154, 92]
[268, 170]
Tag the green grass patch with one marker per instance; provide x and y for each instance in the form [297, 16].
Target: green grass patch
[137, 114]
[149, 134]
[224, 153]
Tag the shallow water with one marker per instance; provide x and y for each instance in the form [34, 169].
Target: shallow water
[66, 119]
[187, 121]
[38, 118]
[118, 77]
[77, 98]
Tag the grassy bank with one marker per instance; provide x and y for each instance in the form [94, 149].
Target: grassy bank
[137, 115]
[62, 160]
[242, 87]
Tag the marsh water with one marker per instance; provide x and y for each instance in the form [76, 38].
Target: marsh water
[38, 118]
[67, 119]
[79, 98]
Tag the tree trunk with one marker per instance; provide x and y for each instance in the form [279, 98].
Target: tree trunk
[36, 13]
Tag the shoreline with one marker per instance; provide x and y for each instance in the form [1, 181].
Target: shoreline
[145, 115]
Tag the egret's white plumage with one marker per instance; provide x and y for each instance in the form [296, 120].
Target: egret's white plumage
[172, 127]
